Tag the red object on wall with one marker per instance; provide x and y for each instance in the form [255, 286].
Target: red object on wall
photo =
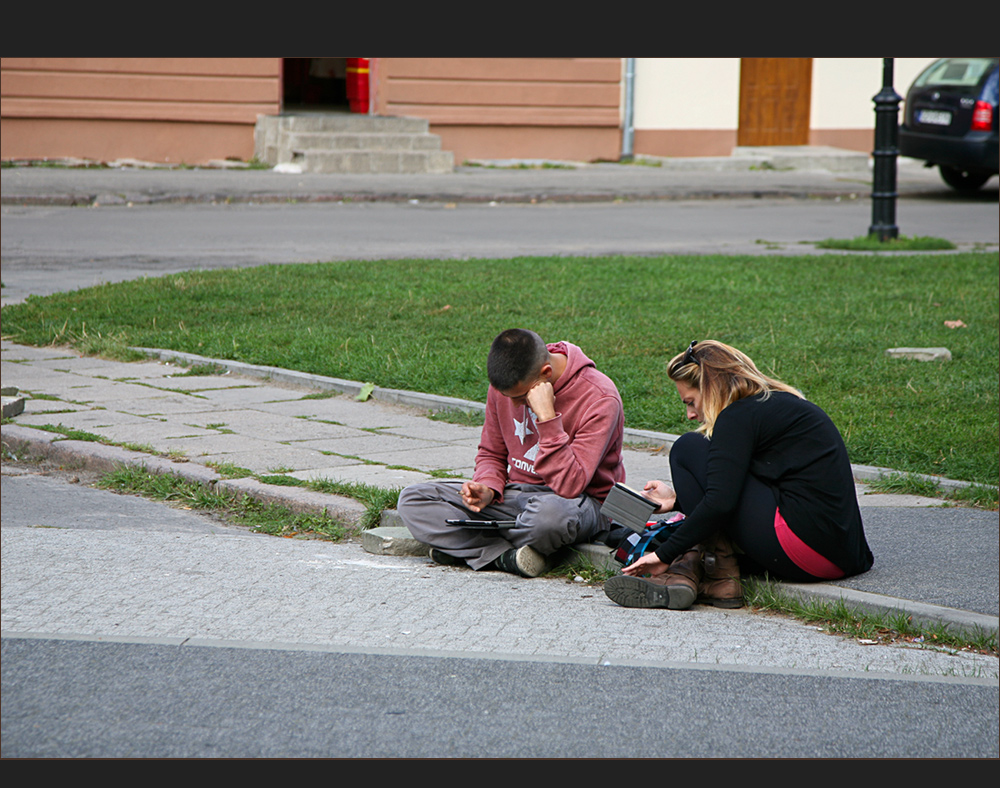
[357, 84]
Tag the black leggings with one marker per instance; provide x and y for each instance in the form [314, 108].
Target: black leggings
[752, 526]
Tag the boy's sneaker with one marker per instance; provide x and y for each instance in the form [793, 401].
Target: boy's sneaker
[524, 561]
[445, 559]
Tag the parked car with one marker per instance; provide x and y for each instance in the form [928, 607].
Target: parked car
[950, 120]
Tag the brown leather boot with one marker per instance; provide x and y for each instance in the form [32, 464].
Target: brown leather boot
[721, 583]
[675, 589]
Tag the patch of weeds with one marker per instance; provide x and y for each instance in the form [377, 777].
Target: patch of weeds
[466, 418]
[109, 346]
[228, 470]
[981, 496]
[90, 437]
[871, 243]
[442, 473]
[838, 618]
[977, 495]
[652, 448]
[145, 448]
[202, 370]
[256, 164]
[906, 484]
[242, 509]
[70, 434]
[279, 470]
[281, 479]
[585, 569]
[320, 395]
[520, 165]
[220, 426]
[186, 392]
[375, 499]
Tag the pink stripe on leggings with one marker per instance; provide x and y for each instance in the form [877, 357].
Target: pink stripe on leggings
[802, 555]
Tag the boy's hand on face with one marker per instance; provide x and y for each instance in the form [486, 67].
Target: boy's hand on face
[542, 400]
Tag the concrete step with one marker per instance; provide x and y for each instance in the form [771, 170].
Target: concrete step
[337, 141]
[346, 143]
[345, 122]
[377, 161]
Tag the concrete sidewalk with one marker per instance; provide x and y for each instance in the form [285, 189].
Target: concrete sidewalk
[804, 172]
[269, 421]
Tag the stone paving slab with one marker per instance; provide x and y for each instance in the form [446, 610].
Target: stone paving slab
[14, 373]
[202, 383]
[52, 407]
[159, 404]
[65, 386]
[273, 426]
[12, 406]
[116, 370]
[14, 352]
[81, 418]
[375, 475]
[370, 446]
[439, 431]
[431, 458]
[267, 458]
[250, 396]
[363, 415]
[156, 433]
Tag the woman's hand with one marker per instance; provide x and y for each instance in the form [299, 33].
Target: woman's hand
[649, 564]
[662, 493]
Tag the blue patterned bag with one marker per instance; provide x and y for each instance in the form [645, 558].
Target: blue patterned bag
[634, 545]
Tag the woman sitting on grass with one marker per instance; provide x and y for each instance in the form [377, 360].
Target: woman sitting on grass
[767, 471]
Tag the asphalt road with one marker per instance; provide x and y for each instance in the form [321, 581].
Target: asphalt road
[137, 700]
[48, 249]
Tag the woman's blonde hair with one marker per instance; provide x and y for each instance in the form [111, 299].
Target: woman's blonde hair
[723, 375]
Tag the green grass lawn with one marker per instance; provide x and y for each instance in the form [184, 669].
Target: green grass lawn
[821, 323]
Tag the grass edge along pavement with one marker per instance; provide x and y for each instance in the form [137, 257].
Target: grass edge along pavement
[822, 323]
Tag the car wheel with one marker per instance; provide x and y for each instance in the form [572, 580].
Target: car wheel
[963, 180]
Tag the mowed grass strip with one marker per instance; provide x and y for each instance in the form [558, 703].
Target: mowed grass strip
[821, 323]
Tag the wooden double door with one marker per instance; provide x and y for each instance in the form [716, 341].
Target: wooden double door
[774, 101]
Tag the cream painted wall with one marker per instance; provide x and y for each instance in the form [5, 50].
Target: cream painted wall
[704, 93]
[843, 88]
[686, 93]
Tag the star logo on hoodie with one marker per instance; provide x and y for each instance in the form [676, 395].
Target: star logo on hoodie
[521, 428]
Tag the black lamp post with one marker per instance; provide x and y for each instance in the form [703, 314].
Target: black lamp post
[885, 153]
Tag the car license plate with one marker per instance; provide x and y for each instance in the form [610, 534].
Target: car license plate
[933, 117]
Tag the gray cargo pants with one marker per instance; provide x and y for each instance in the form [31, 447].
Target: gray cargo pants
[545, 521]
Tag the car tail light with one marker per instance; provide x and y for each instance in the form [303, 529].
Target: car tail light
[982, 116]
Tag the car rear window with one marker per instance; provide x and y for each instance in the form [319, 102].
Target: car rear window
[954, 72]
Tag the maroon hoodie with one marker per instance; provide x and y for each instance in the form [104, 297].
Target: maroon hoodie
[579, 451]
